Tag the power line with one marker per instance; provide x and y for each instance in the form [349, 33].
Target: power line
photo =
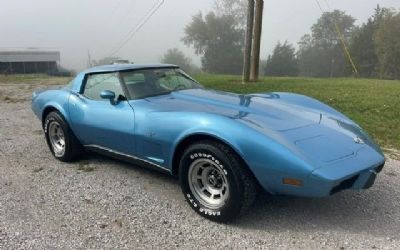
[319, 6]
[133, 30]
[327, 4]
[340, 37]
[138, 27]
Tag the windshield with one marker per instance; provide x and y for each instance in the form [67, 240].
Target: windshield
[154, 82]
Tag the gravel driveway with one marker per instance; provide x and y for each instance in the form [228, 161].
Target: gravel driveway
[100, 203]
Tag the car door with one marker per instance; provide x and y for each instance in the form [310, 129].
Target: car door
[99, 122]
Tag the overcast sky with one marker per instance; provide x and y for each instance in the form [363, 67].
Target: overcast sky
[75, 26]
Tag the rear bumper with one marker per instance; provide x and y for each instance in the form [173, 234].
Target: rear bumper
[35, 106]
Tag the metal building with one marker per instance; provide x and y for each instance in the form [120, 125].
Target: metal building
[28, 61]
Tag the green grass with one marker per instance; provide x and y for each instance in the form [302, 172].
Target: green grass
[373, 104]
[33, 79]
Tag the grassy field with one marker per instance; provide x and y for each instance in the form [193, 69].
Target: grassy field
[374, 104]
[35, 79]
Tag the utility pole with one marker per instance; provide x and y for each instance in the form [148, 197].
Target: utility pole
[248, 42]
[89, 62]
[258, 19]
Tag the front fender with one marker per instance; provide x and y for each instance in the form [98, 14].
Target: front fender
[307, 102]
[267, 157]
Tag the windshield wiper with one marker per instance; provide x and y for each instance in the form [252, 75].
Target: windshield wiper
[157, 94]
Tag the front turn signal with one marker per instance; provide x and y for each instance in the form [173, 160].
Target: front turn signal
[292, 182]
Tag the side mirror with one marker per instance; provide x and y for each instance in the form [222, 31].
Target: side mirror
[108, 95]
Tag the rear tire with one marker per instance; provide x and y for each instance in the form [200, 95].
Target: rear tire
[62, 142]
[216, 182]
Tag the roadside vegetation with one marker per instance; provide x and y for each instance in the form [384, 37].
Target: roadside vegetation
[373, 46]
[372, 103]
[36, 79]
[19, 88]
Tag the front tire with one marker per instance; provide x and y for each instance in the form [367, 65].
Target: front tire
[215, 181]
[59, 137]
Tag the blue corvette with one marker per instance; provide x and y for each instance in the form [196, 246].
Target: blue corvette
[223, 146]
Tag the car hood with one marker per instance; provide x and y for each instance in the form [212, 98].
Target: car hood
[318, 135]
[260, 110]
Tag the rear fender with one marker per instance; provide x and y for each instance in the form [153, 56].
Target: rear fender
[52, 99]
[63, 109]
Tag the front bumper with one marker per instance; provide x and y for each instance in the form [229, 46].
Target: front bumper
[358, 172]
[364, 180]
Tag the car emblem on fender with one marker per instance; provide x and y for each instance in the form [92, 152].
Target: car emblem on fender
[358, 140]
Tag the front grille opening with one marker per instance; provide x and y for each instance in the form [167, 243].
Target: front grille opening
[380, 168]
[346, 184]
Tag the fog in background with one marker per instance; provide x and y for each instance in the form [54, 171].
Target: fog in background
[75, 27]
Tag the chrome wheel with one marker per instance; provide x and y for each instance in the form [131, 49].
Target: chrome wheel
[57, 138]
[208, 183]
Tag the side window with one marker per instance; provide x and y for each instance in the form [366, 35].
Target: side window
[134, 78]
[95, 84]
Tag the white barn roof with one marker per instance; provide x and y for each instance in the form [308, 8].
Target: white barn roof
[29, 56]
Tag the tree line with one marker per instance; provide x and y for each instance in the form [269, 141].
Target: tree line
[333, 43]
